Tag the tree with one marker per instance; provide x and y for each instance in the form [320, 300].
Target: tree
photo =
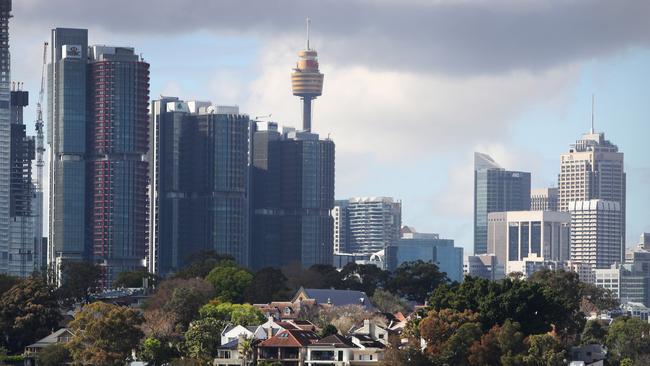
[78, 281]
[131, 279]
[237, 314]
[593, 333]
[54, 355]
[185, 304]
[544, 350]
[202, 338]
[345, 317]
[7, 282]
[627, 338]
[268, 284]
[316, 276]
[416, 280]
[28, 312]
[104, 334]
[363, 277]
[501, 345]
[387, 302]
[201, 263]
[439, 326]
[229, 281]
[328, 330]
[156, 352]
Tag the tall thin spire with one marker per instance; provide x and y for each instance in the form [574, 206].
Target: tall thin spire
[592, 114]
[308, 24]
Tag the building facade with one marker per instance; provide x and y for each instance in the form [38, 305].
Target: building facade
[293, 190]
[595, 232]
[98, 133]
[495, 190]
[427, 248]
[483, 266]
[199, 183]
[516, 235]
[367, 225]
[5, 133]
[544, 199]
[593, 168]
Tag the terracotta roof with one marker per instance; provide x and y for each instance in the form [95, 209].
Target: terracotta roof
[291, 338]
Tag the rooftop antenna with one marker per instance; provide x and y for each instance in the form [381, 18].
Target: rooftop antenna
[308, 24]
[592, 114]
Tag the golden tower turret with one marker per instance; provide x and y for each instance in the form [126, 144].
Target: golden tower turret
[307, 81]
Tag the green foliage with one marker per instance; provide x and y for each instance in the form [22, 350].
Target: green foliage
[131, 279]
[268, 284]
[54, 355]
[593, 333]
[627, 338]
[441, 331]
[156, 352]
[229, 281]
[7, 282]
[202, 338]
[544, 350]
[366, 278]
[28, 311]
[237, 314]
[316, 276]
[387, 302]
[416, 280]
[104, 334]
[78, 281]
[328, 330]
[185, 303]
[201, 264]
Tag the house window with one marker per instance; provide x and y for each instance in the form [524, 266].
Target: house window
[287, 310]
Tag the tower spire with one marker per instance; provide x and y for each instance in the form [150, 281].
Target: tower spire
[308, 25]
[592, 114]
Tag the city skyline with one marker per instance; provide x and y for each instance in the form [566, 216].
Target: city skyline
[555, 91]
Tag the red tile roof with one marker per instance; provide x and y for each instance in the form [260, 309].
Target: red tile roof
[291, 338]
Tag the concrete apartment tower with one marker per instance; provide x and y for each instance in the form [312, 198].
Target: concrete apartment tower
[495, 190]
[593, 168]
[98, 134]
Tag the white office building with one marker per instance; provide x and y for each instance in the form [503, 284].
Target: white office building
[595, 232]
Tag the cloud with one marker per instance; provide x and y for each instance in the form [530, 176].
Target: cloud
[464, 37]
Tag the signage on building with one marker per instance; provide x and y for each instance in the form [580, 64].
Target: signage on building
[71, 51]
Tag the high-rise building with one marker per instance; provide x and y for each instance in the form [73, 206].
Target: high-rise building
[429, 248]
[66, 135]
[495, 190]
[543, 199]
[199, 183]
[514, 236]
[593, 169]
[117, 131]
[293, 185]
[5, 132]
[98, 134]
[23, 250]
[595, 232]
[367, 224]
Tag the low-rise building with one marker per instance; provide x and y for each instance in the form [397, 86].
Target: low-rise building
[61, 336]
[287, 347]
[484, 266]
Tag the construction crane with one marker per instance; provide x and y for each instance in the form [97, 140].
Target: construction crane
[40, 135]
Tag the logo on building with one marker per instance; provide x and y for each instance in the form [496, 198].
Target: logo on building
[71, 51]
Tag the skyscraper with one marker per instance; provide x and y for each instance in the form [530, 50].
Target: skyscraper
[593, 169]
[117, 131]
[293, 185]
[495, 190]
[595, 232]
[66, 135]
[199, 183]
[23, 250]
[98, 134]
[5, 132]
[369, 224]
[543, 199]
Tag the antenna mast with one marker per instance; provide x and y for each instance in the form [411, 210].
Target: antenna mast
[308, 24]
[40, 147]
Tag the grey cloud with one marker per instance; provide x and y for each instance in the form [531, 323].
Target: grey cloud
[463, 37]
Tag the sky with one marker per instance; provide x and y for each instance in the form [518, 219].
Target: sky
[412, 87]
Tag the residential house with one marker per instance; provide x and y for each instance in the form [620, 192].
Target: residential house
[287, 347]
[333, 297]
[374, 331]
[233, 332]
[63, 335]
[333, 350]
